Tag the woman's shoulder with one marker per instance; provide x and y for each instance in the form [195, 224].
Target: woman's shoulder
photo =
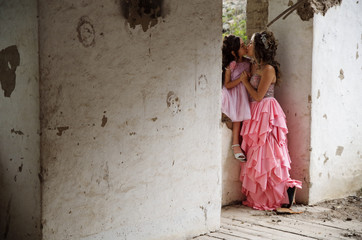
[268, 69]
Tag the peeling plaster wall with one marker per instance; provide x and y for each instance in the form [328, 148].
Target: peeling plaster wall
[336, 158]
[19, 121]
[294, 94]
[130, 116]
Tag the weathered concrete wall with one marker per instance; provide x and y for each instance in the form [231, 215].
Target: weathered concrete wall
[336, 157]
[257, 16]
[231, 185]
[131, 143]
[294, 94]
[19, 121]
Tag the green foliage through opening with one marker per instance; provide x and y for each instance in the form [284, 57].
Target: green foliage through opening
[234, 18]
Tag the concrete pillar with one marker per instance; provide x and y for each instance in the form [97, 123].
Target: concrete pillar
[257, 16]
[19, 121]
[130, 114]
[336, 137]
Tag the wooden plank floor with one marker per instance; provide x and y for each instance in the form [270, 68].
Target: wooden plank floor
[239, 222]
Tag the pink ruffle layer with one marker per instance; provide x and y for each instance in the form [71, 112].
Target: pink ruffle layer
[265, 175]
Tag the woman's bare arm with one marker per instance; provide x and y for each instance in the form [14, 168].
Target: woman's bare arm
[267, 78]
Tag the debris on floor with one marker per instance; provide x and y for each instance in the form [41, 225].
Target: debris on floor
[333, 219]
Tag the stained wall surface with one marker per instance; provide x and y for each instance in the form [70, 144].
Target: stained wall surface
[231, 184]
[294, 94]
[19, 121]
[336, 157]
[130, 116]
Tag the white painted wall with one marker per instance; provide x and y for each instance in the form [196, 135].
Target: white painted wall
[294, 94]
[119, 162]
[19, 121]
[336, 158]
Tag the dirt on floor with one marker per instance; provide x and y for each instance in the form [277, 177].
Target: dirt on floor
[345, 210]
[333, 219]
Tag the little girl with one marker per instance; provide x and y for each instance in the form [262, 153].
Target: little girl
[235, 102]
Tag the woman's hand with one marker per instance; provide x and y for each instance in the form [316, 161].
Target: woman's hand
[244, 77]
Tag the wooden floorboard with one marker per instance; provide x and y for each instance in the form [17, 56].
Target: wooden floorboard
[227, 236]
[205, 237]
[251, 233]
[353, 225]
[261, 231]
[239, 222]
[297, 228]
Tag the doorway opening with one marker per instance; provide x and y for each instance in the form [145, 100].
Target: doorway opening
[240, 18]
[234, 18]
[234, 23]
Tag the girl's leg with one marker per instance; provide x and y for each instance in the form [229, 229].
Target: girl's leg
[238, 153]
[236, 136]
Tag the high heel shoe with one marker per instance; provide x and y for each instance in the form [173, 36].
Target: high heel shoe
[291, 196]
[239, 156]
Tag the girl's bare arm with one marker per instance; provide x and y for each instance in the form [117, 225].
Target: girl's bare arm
[228, 83]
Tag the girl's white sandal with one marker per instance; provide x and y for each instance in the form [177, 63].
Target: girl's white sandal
[239, 156]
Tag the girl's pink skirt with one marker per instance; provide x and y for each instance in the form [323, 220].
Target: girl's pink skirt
[235, 103]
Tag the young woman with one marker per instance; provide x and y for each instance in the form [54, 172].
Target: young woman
[265, 176]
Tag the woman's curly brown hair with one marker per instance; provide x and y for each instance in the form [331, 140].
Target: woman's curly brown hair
[265, 49]
[230, 43]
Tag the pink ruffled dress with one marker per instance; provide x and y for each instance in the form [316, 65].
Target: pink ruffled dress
[265, 176]
[235, 101]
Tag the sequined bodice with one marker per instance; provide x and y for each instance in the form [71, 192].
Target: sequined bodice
[254, 81]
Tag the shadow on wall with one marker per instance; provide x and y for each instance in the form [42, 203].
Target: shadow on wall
[5, 203]
[142, 12]
[9, 61]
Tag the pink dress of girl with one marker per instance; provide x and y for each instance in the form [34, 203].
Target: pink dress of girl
[265, 176]
[235, 101]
